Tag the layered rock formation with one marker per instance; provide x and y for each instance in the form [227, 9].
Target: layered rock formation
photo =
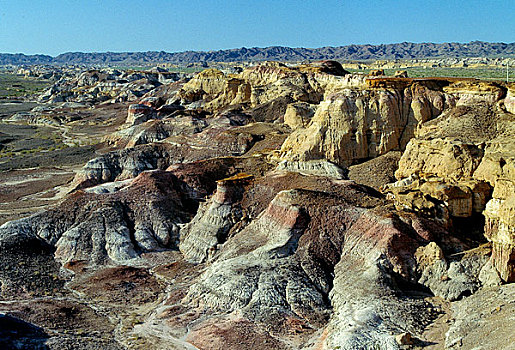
[110, 224]
[285, 250]
[220, 212]
[96, 86]
[458, 166]
[356, 123]
[213, 221]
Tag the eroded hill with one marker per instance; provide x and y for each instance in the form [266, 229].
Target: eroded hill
[281, 207]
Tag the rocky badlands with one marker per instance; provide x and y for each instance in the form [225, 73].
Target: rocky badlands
[264, 207]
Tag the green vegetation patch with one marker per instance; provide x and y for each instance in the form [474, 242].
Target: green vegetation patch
[12, 85]
[458, 72]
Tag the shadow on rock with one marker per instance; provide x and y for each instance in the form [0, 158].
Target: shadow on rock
[18, 334]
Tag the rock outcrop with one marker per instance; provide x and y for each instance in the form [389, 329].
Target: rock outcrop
[219, 212]
[298, 115]
[460, 166]
[139, 113]
[96, 86]
[449, 280]
[480, 320]
[211, 225]
[509, 101]
[218, 140]
[100, 227]
[281, 265]
[356, 123]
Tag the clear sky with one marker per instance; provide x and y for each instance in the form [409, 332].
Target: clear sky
[53, 27]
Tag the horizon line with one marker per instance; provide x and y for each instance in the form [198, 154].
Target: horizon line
[256, 47]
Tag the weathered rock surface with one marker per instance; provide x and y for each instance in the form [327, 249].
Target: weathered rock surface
[299, 114]
[450, 280]
[459, 165]
[139, 113]
[220, 139]
[483, 320]
[261, 269]
[210, 227]
[96, 86]
[313, 167]
[264, 88]
[368, 121]
[32, 119]
[156, 130]
[509, 101]
[219, 213]
[472, 92]
[376, 172]
[110, 227]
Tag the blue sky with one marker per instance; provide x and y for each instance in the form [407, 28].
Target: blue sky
[53, 27]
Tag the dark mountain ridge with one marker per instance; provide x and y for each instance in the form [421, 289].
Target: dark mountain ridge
[403, 50]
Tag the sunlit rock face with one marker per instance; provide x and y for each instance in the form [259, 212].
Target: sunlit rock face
[139, 113]
[233, 210]
[460, 165]
[283, 263]
[356, 123]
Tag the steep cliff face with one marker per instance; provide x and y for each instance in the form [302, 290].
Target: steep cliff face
[460, 165]
[498, 169]
[353, 124]
[349, 118]
[509, 101]
[241, 231]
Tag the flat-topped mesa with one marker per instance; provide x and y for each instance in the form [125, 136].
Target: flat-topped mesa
[270, 72]
[401, 82]
[469, 92]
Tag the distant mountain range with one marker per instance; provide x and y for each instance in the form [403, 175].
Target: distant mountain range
[350, 52]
